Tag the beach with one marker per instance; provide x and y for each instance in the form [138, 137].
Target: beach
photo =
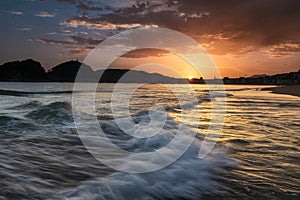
[287, 89]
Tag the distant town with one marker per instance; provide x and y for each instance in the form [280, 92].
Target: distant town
[291, 78]
[32, 71]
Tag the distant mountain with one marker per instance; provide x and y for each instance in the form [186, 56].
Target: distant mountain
[258, 76]
[32, 71]
[133, 76]
[22, 71]
[67, 71]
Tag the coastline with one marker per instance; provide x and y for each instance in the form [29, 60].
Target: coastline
[287, 89]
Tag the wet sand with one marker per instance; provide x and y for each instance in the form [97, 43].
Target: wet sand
[287, 89]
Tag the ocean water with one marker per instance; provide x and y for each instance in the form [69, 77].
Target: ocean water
[42, 157]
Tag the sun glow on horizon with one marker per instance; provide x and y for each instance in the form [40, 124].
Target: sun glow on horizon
[190, 77]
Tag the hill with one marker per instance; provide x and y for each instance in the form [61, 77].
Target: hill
[22, 71]
[67, 71]
[32, 71]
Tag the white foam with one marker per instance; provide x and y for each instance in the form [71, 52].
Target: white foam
[189, 177]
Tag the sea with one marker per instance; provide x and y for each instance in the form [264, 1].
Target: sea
[256, 154]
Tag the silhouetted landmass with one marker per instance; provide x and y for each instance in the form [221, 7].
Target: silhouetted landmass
[32, 71]
[67, 71]
[22, 71]
[132, 76]
[292, 78]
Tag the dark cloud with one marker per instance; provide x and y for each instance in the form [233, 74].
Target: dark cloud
[75, 51]
[85, 40]
[145, 53]
[84, 7]
[234, 26]
[73, 40]
[68, 1]
[64, 1]
[75, 44]
[53, 41]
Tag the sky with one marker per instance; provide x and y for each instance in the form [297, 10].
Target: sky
[242, 37]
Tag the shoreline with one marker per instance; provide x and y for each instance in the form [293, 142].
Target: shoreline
[293, 90]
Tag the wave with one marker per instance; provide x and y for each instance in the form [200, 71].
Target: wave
[57, 112]
[12, 127]
[37, 117]
[23, 93]
[164, 132]
[189, 177]
[8, 122]
[35, 114]
[229, 90]
[239, 141]
[29, 105]
[215, 94]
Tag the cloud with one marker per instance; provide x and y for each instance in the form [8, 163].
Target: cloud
[53, 41]
[62, 1]
[145, 53]
[23, 29]
[233, 26]
[14, 12]
[68, 1]
[75, 44]
[85, 7]
[44, 14]
[50, 33]
[86, 40]
[282, 50]
[94, 23]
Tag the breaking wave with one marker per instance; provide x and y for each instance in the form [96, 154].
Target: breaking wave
[63, 168]
[22, 93]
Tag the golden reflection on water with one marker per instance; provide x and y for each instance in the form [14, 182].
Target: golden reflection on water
[260, 132]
